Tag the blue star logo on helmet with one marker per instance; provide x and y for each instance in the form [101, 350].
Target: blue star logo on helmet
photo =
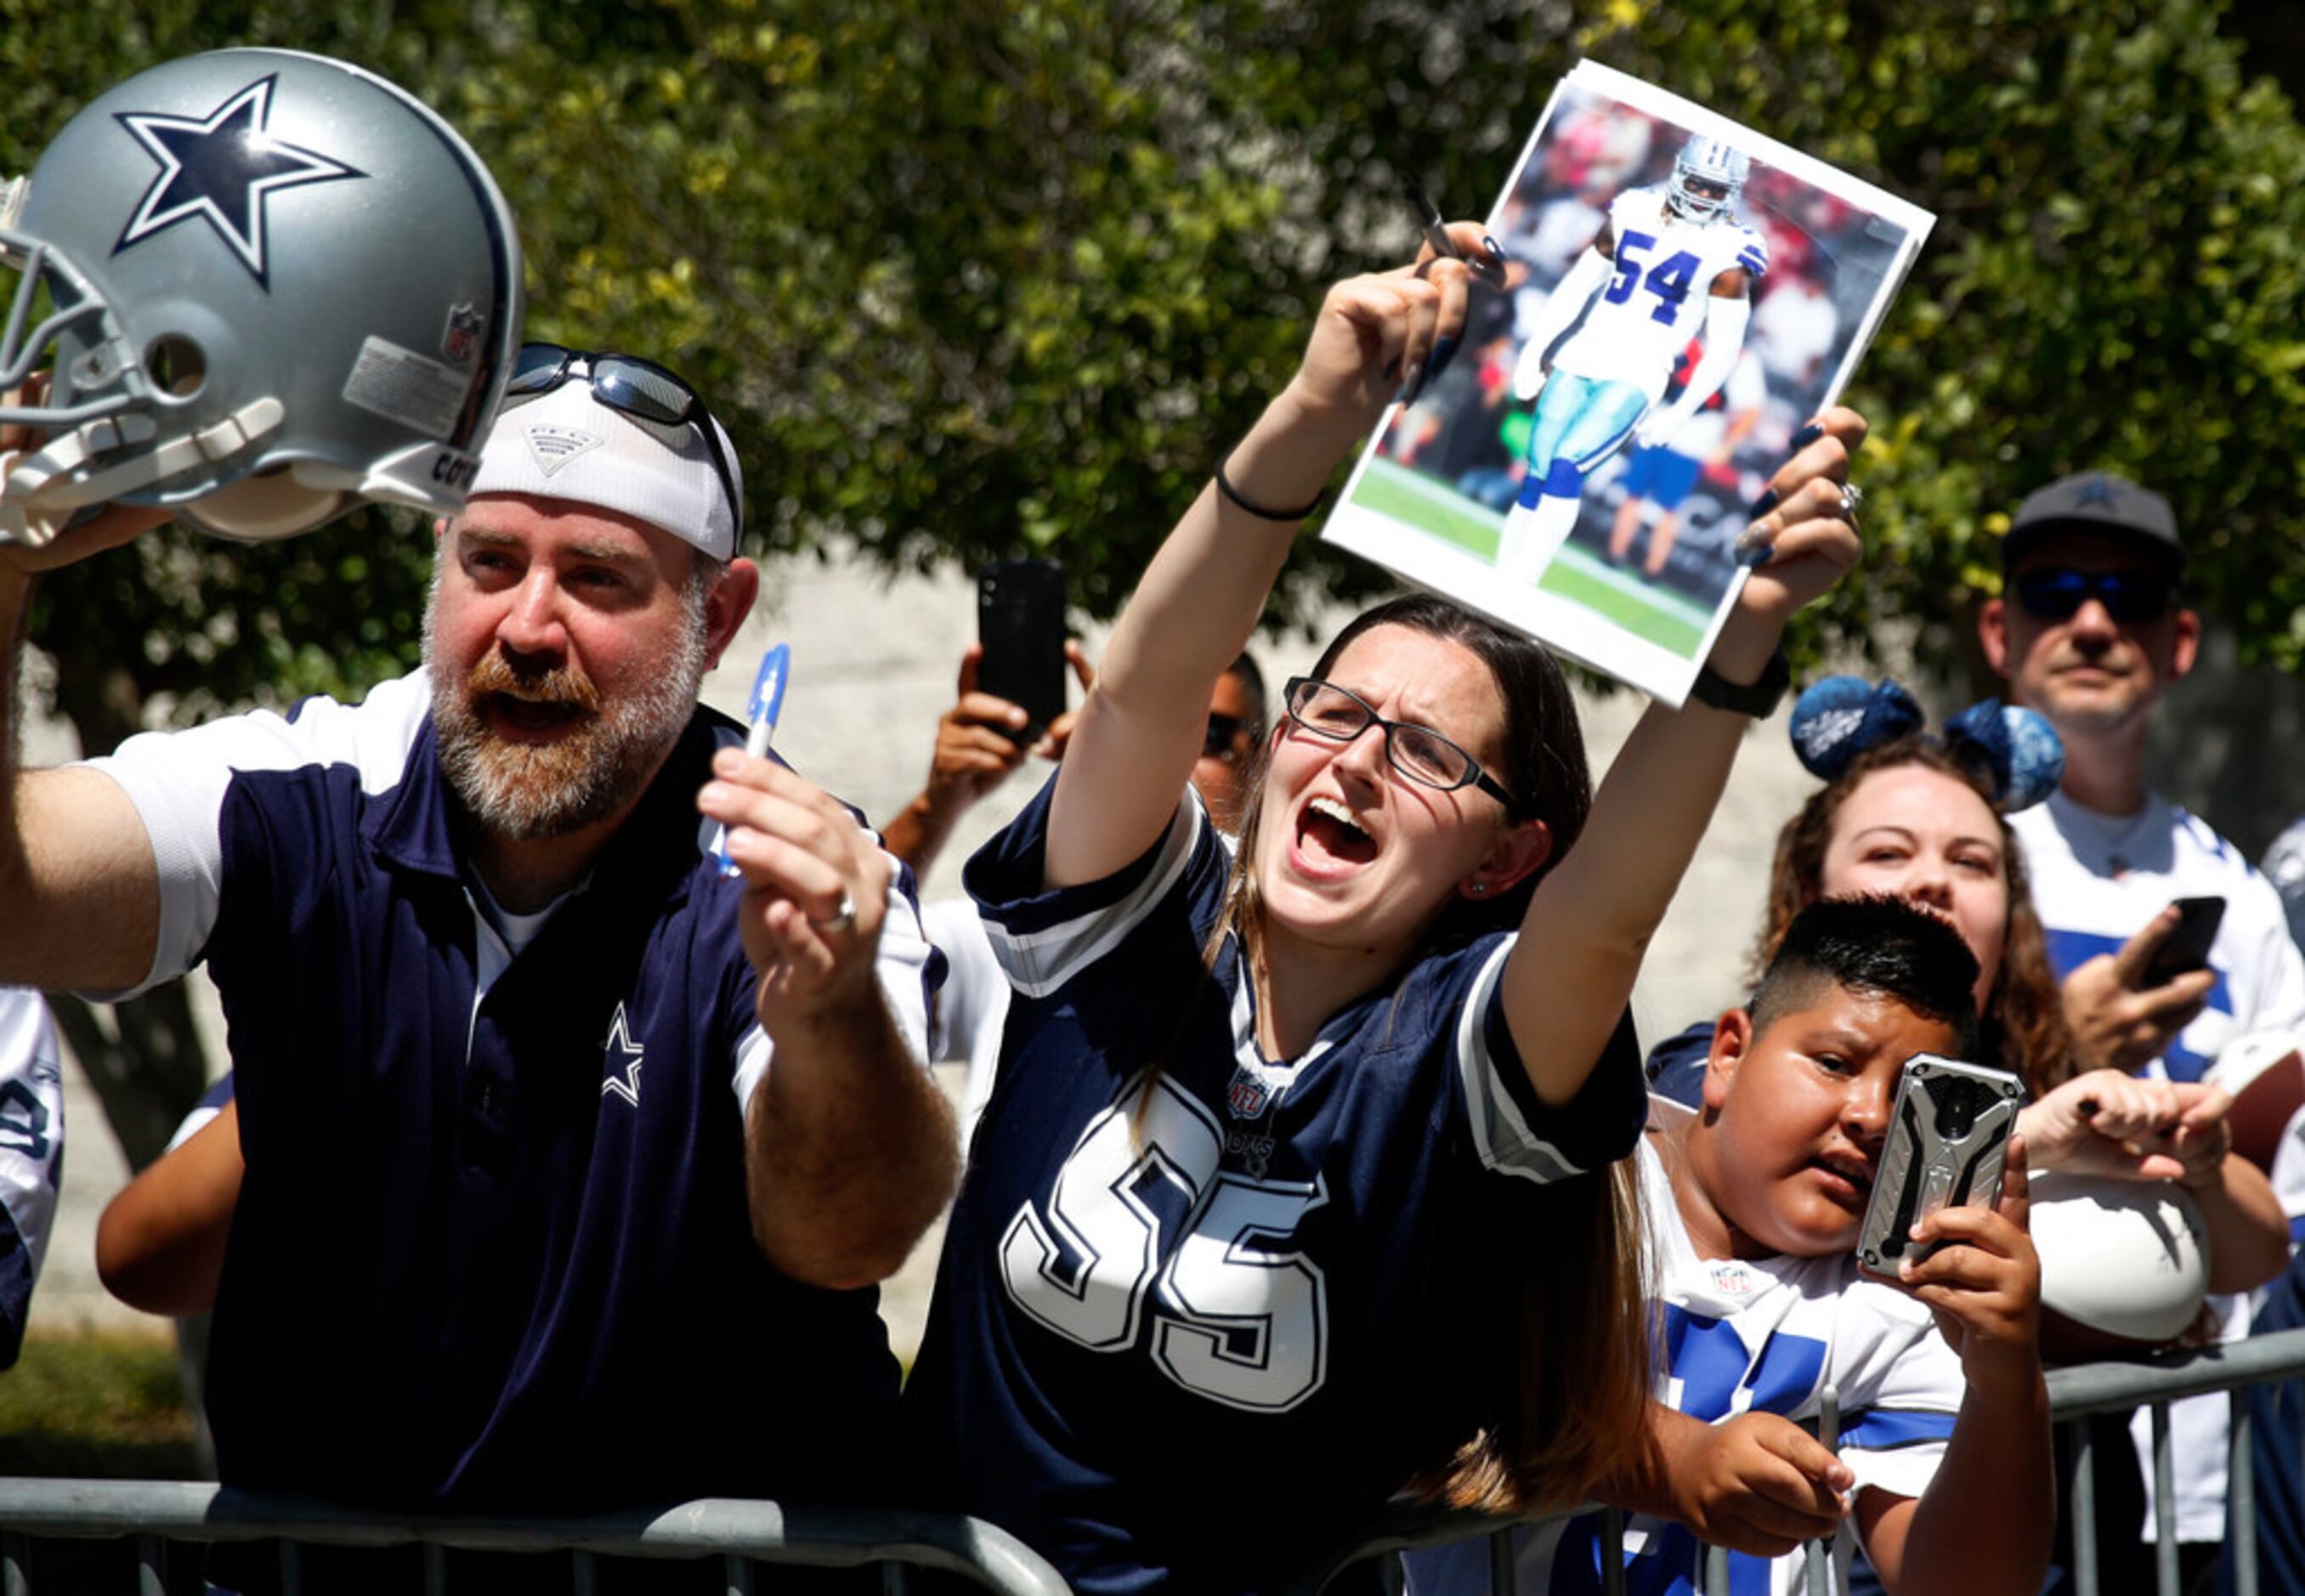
[2098, 491]
[222, 170]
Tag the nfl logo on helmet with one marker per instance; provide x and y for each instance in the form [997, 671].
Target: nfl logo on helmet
[462, 339]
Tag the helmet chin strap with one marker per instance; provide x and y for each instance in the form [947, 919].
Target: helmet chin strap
[39, 491]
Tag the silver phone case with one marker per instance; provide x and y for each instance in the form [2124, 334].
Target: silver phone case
[1948, 1135]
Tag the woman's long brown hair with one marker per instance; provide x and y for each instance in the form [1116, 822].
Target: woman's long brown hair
[2023, 1024]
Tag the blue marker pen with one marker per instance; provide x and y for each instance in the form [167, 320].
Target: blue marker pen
[760, 713]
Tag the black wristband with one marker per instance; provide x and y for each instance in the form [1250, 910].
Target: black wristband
[1225, 486]
[1759, 701]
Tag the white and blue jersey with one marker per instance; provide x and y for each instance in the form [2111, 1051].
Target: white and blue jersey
[1665, 267]
[1750, 1336]
[31, 1154]
[492, 1251]
[2099, 878]
[2096, 880]
[1201, 1312]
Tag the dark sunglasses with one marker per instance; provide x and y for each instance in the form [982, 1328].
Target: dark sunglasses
[2057, 595]
[632, 387]
[1216, 743]
[1339, 714]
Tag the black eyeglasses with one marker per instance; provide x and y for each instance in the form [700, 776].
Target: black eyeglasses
[633, 386]
[2057, 594]
[1417, 751]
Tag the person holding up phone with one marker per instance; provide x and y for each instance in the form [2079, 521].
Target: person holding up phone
[1939, 1463]
[982, 741]
[2090, 630]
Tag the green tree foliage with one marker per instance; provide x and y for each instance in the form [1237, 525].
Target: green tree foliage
[986, 277]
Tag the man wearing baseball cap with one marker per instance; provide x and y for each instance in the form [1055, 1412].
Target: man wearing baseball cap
[2090, 629]
[570, 1158]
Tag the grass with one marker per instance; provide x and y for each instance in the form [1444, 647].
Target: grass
[98, 1406]
[1660, 616]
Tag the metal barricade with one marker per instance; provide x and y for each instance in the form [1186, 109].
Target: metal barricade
[2075, 1394]
[742, 1533]
[738, 1533]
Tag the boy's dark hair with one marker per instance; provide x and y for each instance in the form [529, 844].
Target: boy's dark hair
[1881, 945]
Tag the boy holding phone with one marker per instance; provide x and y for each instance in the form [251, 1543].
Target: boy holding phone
[1941, 1462]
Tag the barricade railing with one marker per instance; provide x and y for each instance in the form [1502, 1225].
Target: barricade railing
[2075, 1394]
[738, 1534]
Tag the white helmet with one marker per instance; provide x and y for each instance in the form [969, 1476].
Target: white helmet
[1722, 168]
[277, 285]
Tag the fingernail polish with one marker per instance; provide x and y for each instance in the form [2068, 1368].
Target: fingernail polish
[1765, 503]
[1412, 385]
[1807, 435]
[1754, 554]
[1444, 349]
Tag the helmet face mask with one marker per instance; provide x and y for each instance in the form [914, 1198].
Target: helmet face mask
[264, 287]
[1707, 177]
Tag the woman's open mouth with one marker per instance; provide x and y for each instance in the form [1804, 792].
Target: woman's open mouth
[1327, 835]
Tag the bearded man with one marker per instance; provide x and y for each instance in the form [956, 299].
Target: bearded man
[571, 1155]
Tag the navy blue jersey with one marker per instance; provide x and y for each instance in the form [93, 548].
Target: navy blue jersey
[492, 1253]
[1200, 1313]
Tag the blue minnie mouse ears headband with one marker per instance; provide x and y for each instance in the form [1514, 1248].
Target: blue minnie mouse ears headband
[1837, 719]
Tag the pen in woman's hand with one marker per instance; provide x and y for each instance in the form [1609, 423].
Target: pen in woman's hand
[1489, 266]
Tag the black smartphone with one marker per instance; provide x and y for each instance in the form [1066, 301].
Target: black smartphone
[1020, 620]
[2187, 947]
[1948, 1138]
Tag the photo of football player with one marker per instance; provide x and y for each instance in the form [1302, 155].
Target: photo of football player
[1679, 294]
[1673, 262]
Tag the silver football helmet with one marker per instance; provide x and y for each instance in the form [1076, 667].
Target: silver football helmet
[1720, 168]
[264, 287]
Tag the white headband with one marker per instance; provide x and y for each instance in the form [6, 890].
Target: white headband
[567, 445]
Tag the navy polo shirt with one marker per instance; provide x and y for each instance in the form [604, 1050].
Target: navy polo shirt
[491, 1255]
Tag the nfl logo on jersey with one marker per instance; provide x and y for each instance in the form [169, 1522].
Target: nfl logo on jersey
[1246, 1096]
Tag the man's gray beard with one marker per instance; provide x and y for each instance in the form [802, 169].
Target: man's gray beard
[530, 791]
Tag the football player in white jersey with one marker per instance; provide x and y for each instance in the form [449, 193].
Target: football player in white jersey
[1671, 263]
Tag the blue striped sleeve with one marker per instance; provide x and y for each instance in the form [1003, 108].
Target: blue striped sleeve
[1887, 1429]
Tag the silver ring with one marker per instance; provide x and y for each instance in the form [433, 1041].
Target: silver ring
[843, 918]
[1851, 496]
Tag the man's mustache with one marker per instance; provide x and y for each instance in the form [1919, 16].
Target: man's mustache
[493, 674]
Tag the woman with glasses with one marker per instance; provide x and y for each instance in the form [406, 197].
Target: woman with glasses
[1296, 1182]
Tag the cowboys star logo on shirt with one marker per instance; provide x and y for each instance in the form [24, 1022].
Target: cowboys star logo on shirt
[621, 1057]
[221, 169]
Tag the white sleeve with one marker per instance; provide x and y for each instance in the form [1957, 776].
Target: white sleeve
[901, 964]
[1569, 298]
[177, 781]
[2278, 975]
[1724, 341]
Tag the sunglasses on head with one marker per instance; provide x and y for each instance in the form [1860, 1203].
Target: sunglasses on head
[2057, 595]
[631, 386]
